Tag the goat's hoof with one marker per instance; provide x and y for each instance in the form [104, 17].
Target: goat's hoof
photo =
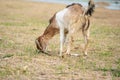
[85, 54]
[61, 56]
[68, 54]
[76, 55]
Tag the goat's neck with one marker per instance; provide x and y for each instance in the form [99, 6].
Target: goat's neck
[50, 31]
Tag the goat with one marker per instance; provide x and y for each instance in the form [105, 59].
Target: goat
[73, 18]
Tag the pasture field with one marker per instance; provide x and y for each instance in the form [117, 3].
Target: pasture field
[21, 22]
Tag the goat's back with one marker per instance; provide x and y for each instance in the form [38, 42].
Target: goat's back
[70, 15]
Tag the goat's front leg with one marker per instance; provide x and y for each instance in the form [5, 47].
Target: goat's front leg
[62, 39]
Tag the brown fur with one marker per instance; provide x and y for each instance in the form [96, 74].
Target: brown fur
[49, 32]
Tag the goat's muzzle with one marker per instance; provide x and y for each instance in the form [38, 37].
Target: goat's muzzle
[40, 44]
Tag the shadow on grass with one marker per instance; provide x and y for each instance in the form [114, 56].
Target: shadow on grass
[46, 53]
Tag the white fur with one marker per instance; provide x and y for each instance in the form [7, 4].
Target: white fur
[61, 24]
[60, 17]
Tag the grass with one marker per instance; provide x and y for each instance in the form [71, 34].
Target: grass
[27, 20]
[6, 71]
[8, 55]
[115, 72]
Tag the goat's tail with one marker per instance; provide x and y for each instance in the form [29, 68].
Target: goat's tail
[91, 7]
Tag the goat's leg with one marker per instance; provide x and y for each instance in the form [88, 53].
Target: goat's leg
[65, 36]
[62, 39]
[69, 43]
[86, 39]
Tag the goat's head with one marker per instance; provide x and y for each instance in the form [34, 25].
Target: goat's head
[41, 43]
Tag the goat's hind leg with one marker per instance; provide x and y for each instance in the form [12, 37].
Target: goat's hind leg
[86, 39]
[69, 43]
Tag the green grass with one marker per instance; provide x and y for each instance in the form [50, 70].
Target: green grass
[8, 55]
[6, 41]
[14, 24]
[7, 70]
[105, 54]
[115, 72]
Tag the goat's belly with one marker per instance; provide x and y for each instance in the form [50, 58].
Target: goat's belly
[60, 18]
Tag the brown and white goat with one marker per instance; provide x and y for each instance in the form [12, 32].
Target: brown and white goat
[67, 21]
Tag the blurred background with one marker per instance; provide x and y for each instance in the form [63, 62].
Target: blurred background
[110, 4]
